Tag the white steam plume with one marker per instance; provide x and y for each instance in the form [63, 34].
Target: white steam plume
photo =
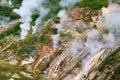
[62, 14]
[26, 11]
[112, 18]
[92, 47]
[75, 47]
[109, 40]
[55, 41]
[43, 12]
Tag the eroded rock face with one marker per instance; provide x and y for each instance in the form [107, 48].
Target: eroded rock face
[68, 67]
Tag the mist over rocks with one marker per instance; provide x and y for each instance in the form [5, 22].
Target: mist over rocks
[112, 18]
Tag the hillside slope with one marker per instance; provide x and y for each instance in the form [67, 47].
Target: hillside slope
[60, 40]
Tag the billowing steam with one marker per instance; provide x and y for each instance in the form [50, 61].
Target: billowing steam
[75, 47]
[112, 18]
[43, 12]
[26, 11]
[55, 41]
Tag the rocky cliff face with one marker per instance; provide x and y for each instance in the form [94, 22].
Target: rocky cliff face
[78, 43]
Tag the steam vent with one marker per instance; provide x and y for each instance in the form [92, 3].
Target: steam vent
[59, 39]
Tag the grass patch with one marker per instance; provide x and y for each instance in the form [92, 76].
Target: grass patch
[28, 45]
[111, 60]
[34, 17]
[80, 29]
[116, 74]
[15, 30]
[54, 7]
[3, 77]
[7, 11]
[94, 4]
[65, 37]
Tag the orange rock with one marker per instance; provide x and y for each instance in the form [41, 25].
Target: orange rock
[46, 50]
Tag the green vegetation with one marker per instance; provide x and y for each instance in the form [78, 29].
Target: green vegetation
[7, 10]
[93, 4]
[48, 29]
[28, 45]
[54, 7]
[65, 37]
[111, 60]
[3, 77]
[6, 68]
[16, 3]
[80, 29]
[116, 74]
[51, 30]
[34, 17]
[87, 18]
[109, 69]
[15, 30]
[35, 42]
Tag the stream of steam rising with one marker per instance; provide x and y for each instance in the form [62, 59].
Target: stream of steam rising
[26, 11]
